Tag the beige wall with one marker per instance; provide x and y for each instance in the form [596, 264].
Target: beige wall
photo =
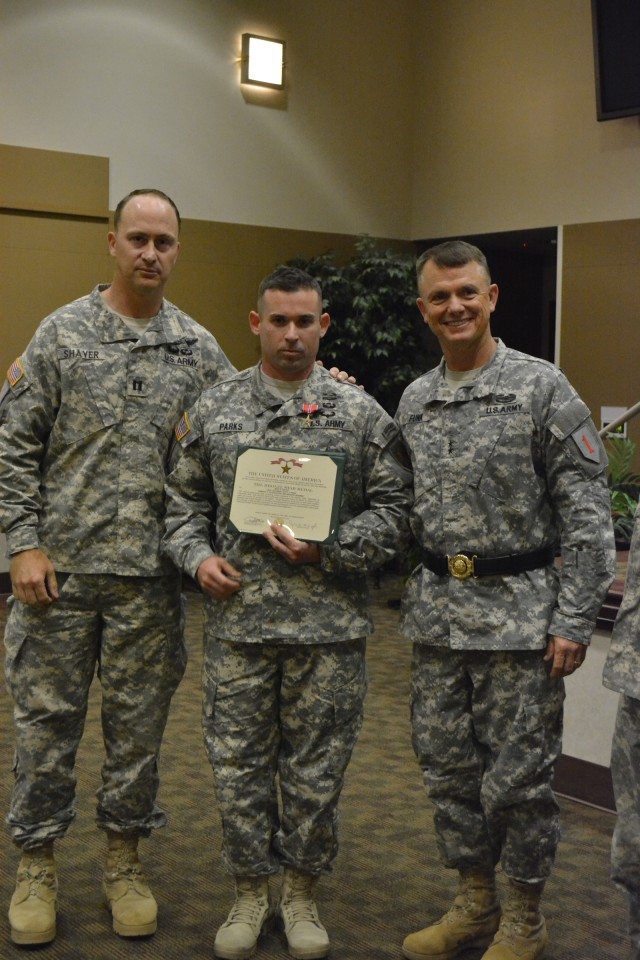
[54, 210]
[407, 119]
[587, 700]
[154, 85]
[442, 118]
[46, 263]
[52, 254]
[219, 270]
[506, 129]
[49, 262]
[600, 332]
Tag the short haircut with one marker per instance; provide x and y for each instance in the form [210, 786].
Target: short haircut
[452, 253]
[143, 191]
[288, 279]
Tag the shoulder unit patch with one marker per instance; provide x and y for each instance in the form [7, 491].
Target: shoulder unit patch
[587, 442]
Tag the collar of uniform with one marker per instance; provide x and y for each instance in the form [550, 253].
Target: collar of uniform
[311, 392]
[166, 327]
[483, 385]
[113, 329]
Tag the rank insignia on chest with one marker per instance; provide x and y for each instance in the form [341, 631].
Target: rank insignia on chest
[136, 387]
[310, 409]
[15, 373]
[183, 427]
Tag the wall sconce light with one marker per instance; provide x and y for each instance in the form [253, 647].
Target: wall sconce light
[262, 61]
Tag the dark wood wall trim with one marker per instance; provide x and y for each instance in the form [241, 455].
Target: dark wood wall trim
[5, 587]
[584, 781]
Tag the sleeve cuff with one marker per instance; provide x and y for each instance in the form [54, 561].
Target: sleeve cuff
[195, 556]
[572, 628]
[21, 539]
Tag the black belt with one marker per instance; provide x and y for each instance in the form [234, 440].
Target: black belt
[467, 564]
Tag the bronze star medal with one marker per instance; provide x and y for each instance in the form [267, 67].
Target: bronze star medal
[309, 409]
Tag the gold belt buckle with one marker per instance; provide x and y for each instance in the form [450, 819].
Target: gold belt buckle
[461, 566]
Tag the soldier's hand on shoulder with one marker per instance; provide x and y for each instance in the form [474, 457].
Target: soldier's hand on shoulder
[340, 375]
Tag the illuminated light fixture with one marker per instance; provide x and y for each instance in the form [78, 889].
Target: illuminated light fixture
[262, 61]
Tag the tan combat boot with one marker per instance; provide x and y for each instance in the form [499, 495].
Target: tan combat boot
[32, 912]
[237, 938]
[471, 921]
[523, 933]
[307, 938]
[133, 907]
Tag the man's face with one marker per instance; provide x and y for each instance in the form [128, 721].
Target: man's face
[457, 303]
[290, 326]
[145, 245]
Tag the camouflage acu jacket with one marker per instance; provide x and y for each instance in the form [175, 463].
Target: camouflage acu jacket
[279, 601]
[86, 420]
[506, 465]
[622, 666]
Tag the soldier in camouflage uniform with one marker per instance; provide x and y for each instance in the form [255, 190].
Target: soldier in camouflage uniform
[286, 620]
[86, 419]
[508, 468]
[622, 673]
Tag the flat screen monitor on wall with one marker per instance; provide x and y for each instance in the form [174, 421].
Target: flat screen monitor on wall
[616, 47]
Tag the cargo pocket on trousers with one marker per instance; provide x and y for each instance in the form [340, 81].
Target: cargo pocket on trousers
[529, 758]
[15, 634]
[348, 709]
[348, 700]
[14, 640]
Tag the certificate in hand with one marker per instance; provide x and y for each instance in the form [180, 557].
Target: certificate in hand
[300, 489]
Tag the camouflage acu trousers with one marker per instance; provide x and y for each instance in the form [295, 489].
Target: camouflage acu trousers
[487, 730]
[131, 630]
[625, 847]
[289, 711]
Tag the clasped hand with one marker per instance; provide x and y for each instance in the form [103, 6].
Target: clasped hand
[565, 656]
[33, 578]
[221, 579]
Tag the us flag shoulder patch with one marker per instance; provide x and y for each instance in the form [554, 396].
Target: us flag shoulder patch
[15, 373]
[183, 427]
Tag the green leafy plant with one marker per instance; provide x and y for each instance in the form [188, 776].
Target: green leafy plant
[377, 333]
[625, 486]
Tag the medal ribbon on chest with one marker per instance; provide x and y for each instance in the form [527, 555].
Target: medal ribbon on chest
[309, 409]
